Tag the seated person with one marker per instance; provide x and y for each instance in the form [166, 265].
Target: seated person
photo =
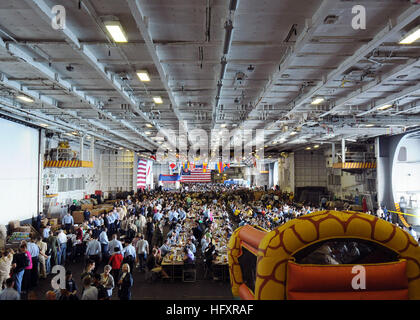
[165, 248]
[188, 256]
[153, 266]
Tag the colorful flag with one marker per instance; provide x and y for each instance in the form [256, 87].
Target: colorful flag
[196, 176]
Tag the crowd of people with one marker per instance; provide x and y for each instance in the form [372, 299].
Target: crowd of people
[137, 235]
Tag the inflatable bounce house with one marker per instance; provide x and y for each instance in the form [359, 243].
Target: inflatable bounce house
[325, 255]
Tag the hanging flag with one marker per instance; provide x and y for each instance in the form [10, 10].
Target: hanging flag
[142, 170]
[219, 167]
[204, 167]
[196, 176]
[226, 165]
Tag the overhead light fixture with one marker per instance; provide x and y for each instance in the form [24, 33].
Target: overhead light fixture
[369, 125]
[25, 98]
[411, 36]
[74, 133]
[308, 148]
[316, 146]
[224, 125]
[148, 133]
[387, 106]
[143, 75]
[120, 148]
[149, 125]
[116, 31]
[44, 125]
[317, 101]
[157, 100]
[293, 133]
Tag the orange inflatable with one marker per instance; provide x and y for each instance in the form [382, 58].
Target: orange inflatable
[277, 276]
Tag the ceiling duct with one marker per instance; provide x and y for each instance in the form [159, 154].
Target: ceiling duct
[233, 5]
[292, 31]
[228, 36]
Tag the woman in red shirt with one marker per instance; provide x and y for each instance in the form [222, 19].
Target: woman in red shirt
[115, 261]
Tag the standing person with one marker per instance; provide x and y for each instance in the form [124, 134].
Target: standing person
[62, 240]
[43, 258]
[94, 251]
[149, 230]
[86, 215]
[68, 222]
[115, 261]
[107, 280]
[103, 239]
[19, 263]
[129, 254]
[125, 282]
[9, 293]
[142, 248]
[102, 292]
[54, 246]
[71, 287]
[5, 266]
[89, 292]
[34, 251]
[89, 269]
[114, 243]
[46, 232]
[26, 280]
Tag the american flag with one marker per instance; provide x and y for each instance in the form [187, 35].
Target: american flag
[195, 176]
[143, 170]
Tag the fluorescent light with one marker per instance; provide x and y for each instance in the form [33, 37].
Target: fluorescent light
[293, 133]
[387, 106]
[223, 125]
[308, 148]
[116, 31]
[157, 100]
[25, 98]
[74, 133]
[143, 75]
[411, 36]
[316, 146]
[369, 125]
[148, 132]
[317, 101]
[44, 125]
[149, 125]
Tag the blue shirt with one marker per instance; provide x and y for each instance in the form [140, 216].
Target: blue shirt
[9, 294]
[68, 219]
[103, 238]
[113, 244]
[192, 247]
[129, 251]
[46, 233]
[93, 248]
[165, 249]
[33, 249]
[158, 216]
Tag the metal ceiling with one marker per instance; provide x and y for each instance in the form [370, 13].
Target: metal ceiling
[239, 64]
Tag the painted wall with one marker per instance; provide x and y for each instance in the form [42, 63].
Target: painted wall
[50, 176]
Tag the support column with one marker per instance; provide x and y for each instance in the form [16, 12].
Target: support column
[81, 153]
[343, 150]
[333, 152]
[92, 149]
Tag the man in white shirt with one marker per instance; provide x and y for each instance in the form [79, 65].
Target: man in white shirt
[90, 292]
[62, 240]
[142, 248]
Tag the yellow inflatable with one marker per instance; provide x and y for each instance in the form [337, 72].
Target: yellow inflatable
[275, 250]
